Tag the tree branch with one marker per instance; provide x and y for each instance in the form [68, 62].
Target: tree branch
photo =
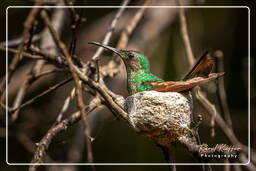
[26, 36]
[211, 110]
[221, 89]
[80, 102]
[43, 145]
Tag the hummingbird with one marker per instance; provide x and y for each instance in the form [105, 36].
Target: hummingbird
[140, 78]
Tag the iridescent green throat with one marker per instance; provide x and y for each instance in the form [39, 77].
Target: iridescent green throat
[139, 76]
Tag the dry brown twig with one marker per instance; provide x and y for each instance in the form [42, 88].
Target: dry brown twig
[133, 22]
[107, 37]
[111, 29]
[95, 56]
[97, 53]
[75, 21]
[65, 105]
[39, 55]
[101, 90]
[33, 99]
[81, 77]
[35, 73]
[72, 68]
[25, 44]
[45, 92]
[43, 145]
[123, 41]
[113, 66]
[211, 109]
[29, 144]
[26, 39]
[221, 89]
[185, 35]
[79, 95]
[17, 41]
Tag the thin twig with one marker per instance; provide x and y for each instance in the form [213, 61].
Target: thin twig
[185, 35]
[113, 66]
[101, 89]
[50, 89]
[190, 55]
[35, 73]
[208, 106]
[33, 76]
[75, 22]
[221, 89]
[108, 36]
[65, 105]
[26, 36]
[123, 41]
[110, 99]
[43, 145]
[23, 53]
[29, 144]
[111, 29]
[191, 58]
[51, 56]
[57, 60]
[17, 41]
[19, 98]
[50, 71]
[211, 110]
[80, 102]
[226, 130]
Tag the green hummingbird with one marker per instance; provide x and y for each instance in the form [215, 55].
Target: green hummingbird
[140, 78]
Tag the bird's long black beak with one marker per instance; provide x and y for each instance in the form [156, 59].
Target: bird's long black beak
[117, 51]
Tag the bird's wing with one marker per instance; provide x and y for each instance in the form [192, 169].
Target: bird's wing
[202, 68]
[178, 86]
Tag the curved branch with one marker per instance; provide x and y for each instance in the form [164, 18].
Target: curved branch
[43, 145]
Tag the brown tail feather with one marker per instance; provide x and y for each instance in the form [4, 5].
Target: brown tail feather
[202, 68]
[177, 86]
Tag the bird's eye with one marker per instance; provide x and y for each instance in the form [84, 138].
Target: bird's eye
[130, 55]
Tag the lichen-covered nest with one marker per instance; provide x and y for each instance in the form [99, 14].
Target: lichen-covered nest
[163, 117]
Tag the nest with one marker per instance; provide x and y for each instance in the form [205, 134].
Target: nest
[163, 117]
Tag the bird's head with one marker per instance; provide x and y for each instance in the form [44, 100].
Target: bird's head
[134, 61]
